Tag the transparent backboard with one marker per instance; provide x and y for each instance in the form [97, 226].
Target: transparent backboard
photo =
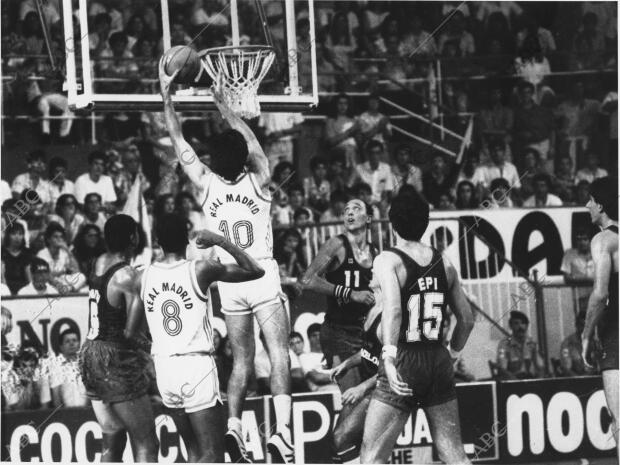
[112, 60]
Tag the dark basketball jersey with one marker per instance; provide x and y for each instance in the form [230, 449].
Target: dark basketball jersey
[106, 323]
[349, 274]
[423, 300]
[609, 322]
[371, 351]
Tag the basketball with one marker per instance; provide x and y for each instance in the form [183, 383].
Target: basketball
[184, 58]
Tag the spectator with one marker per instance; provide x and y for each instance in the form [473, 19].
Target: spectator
[288, 254]
[34, 216]
[542, 197]
[296, 343]
[532, 29]
[32, 34]
[281, 211]
[40, 272]
[282, 177]
[577, 264]
[589, 44]
[341, 129]
[59, 184]
[466, 198]
[303, 217]
[296, 196]
[87, 247]
[186, 206]
[417, 41]
[533, 127]
[508, 10]
[280, 129]
[93, 213]
[577, 117]
[396, 68]
[533, 67]
[404, 171]
[65, 379]
[531, 167]
[317, 377]
[262, 368]
[67, 216]
[571, 363]
[564, 181]
[66, 276]
[335, 212]
[373, 124]
[517, 355]
[95, 181]
[24, 387]
[496, 120]
[5, 191]
[439, 180]
[317, 187]
[34, 178]
[499, 197]
[131, 169]
[135, 31]
[609, 108]
[336, 173]
[445, 202]
[499, 168]
[98, 39]
[16, 257]
[341, 43]
[118, 62]
[375, 173]
[592, 170]
[456, 33]
[7, 326]
[583, 192]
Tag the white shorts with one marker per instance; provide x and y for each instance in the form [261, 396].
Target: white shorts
[251, 296]
[187, 381]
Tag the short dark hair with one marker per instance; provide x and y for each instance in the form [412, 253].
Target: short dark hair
[296, 187]
[118, 38]
[302, 211]
[361, 186]
[57, 162]
[96, 155]
[316, 161]
[66, 332]
[313, 328]
[499, 182]
[604, 191]
[91, 194]
[543, 177]
[172, 233]
[373, 144]
[517, 315]
[53, 228]
[117, 232]
[295, 334]
[37, 155]
[409, 216]
[338, 157]
[62, 200]
[229, 154]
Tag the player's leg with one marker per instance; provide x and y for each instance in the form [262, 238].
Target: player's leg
[382, 426]
[137, 416]
[610, 385]
[113, 433]
[274, 323]
[443, 420]
[349, 430]
[185, 429]
[241, 335]
[208, 426]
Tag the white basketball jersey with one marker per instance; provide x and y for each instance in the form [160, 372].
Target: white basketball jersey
[177, 311]
[240, 212]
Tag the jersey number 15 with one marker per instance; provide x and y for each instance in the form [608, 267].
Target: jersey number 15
[426, 319]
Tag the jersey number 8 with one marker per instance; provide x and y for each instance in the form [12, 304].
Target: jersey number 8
[172, 323]
[424, 320]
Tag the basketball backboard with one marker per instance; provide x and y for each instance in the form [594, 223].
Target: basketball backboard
[101, 79]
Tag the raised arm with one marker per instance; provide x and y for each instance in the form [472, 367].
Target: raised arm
[192, 166]
[129, 281]
[460, 307]
[208, 271]
[257, 160]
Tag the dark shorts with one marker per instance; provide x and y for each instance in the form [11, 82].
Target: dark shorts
[609, 345]
[112, 372]
[340, 341]
[428, 370]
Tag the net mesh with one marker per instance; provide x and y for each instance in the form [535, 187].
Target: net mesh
[243, 68]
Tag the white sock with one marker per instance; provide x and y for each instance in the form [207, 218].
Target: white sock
[282, 406]
[234, 424]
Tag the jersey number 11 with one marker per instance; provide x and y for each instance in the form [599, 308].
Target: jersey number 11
[356, 278]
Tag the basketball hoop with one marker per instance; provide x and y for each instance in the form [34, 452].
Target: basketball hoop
[243, 68]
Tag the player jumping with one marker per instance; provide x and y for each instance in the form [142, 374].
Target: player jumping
[416, 285]
[114, 369]
[175, 292]
[236, 200]
[603, 303]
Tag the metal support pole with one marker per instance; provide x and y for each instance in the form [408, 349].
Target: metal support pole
[541, 320]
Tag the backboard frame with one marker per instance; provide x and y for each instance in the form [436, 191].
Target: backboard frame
[87, 98]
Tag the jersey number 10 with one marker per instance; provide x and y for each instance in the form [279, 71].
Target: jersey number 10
[424, 320]
[236, 237]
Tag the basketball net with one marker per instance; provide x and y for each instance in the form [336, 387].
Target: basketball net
[237, 72]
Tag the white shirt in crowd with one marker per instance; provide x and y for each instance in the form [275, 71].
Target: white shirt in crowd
[486, 174]
[30, 290]
[262, 365]
[273, 122]
[552, 201]
[23, 182]
[4, 290]
[65, 374]
[587, 175]
[104, 187]
[313, 361]
[68, 187]
[5, 191]
[379, 180]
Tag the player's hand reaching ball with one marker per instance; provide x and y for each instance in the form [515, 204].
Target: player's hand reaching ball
[205, 239]
[396, 382]
[363, 297]
[165, 80]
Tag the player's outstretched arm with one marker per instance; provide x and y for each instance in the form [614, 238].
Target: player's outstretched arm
[600, 293]
[192, 166]
[208, 271]
[128, 280]
[257, 160]
[460, 307]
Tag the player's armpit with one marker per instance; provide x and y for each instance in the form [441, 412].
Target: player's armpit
[313, 277]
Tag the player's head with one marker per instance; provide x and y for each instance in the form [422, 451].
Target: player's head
[603, 199]
[409, 216]
[172, 234]
[357, 215]
[121, 234]
[229, 153]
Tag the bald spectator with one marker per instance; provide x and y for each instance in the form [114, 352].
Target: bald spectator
[517, 355]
